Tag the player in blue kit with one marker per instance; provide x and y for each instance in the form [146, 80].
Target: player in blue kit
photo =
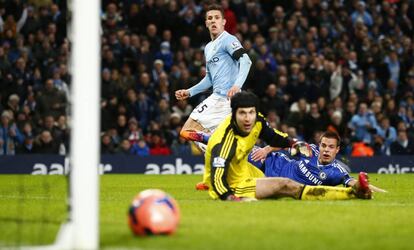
[315, 167]
[227, 66]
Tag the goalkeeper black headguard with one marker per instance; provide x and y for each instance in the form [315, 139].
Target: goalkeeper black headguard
[244, 99]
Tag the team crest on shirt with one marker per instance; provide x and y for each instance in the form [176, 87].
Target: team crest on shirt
[219, 162]
[235, 45]
[322, 175]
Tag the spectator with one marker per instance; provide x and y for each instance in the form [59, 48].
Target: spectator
[124, 148]
[64, 132]
[314, 122]
[165, 55]
[361, 14]
[49, 124]
[183, 109]
[393, 65]
[279, 43]
[111, 17]
[134, 133]
[387, 134]
[51, 100]
[109, 111]
[403, 145]
[373, 82]
[181, 147]
[132, 104]
[60, 84]
[164, 113]
[296, 117]
[157, 70]
[121, 124]
[272, 118]
[107, 146]
[27, 147]
[260, 79]
[13, 104]
[147, 110]
[141, 148]
[362, 124]
[145, 85]
[10, 136]
[273, 99]
[158, 145]
[45, 144]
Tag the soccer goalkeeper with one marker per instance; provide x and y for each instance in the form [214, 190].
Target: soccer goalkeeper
[230, 176]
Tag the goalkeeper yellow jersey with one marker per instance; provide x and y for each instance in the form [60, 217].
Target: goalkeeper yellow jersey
[227, 170]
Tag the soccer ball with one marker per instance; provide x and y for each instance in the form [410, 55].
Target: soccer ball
[153, 211]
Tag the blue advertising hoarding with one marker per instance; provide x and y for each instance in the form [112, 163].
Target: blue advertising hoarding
[124, 164]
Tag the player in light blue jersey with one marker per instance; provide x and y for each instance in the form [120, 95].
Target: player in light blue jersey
[227, 66]
[318, 167]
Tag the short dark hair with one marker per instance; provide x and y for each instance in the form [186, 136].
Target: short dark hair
[215, 7]
[331, 135]
[244, 99]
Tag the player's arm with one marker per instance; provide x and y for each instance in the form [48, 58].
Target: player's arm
[278, 139]
[201, 86]
[239, 54]
[273, 137]
[347, 180]
[353, 182]
[259, 154]
[245, 63]
[221, 155]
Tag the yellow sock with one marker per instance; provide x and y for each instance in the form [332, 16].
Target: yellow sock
[327, 193]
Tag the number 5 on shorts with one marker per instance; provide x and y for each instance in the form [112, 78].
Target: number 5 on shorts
[201, 109]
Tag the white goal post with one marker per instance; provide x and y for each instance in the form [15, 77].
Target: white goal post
[82, 229]
[84, 158]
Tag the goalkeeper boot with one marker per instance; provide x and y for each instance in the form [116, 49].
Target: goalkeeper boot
[197, 136]
[201, 186]
[361, 188]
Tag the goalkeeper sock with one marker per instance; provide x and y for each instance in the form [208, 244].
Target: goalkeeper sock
[327, 193]
[201, 146]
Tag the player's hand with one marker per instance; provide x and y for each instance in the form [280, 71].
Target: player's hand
[301, 147]
[182, 94]
[377, 189]
[248, 199]
[259, 154]
[232, 91]
[232, 197]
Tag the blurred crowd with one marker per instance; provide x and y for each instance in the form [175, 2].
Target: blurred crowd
[34, 77]
[346, 66]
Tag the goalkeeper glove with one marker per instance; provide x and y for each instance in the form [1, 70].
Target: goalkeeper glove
[232, 197]
[302, 148]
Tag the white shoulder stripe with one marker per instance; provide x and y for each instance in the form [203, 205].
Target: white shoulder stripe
[315, 150]
[339, 166]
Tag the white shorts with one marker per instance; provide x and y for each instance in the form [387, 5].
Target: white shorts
[212, 111]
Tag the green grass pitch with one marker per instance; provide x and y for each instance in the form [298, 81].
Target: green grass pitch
[32, 208]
